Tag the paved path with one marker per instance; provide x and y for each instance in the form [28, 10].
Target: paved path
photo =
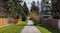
[30, 28]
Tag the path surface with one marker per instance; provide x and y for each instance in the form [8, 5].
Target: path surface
[30, 28]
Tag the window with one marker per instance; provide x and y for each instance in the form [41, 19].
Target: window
[46, 16]
[47, 2]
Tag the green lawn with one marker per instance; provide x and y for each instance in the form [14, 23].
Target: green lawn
[14, 28]
[46, 29]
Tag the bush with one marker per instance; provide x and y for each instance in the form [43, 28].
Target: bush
[33, 15]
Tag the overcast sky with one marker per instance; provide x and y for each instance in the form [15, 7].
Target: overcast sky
[30, 1]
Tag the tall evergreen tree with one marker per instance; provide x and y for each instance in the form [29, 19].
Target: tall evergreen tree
[13, 7]
[34, 7]
[25, 8]
[17, 7]
[25, 11]
[56, 9]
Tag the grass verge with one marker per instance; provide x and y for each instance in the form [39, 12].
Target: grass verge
[44, 29]
[14, 28]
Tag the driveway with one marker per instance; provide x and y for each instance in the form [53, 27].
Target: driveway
[30, 28]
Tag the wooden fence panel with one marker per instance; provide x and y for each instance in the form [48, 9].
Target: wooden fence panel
[50, 23]
[3, 22]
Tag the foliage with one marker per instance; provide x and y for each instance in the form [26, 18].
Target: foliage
[34, 16]
[25, 8]
[17, 8]
[25, 11]
[55, 9]
[34, 7]
[13, 8]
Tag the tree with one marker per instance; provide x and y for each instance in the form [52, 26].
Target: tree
[25, 11]
[5, 6]
[25, 8]
[56, 9]
[34, 16]
[17, 7]
[13, 8]
[34, 7]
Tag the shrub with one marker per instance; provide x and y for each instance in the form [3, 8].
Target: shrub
[34, 16]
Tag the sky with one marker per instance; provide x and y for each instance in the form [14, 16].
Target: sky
[29, 2]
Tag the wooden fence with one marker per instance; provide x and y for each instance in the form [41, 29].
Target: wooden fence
[5, 22]
[50, 23]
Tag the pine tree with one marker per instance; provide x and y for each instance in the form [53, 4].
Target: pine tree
[56, 9]
[13, 8]
[25, 11]
[25, 8]
[34, 7]
[17, 7]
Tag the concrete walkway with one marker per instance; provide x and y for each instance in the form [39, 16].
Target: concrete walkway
[30, 28]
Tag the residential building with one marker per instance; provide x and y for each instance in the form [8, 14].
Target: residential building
[56, 10]
[53, 23]
[46, 7]
[39, 6]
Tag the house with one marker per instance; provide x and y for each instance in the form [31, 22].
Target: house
[56, 7]
[53, 23]
[46, 8]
